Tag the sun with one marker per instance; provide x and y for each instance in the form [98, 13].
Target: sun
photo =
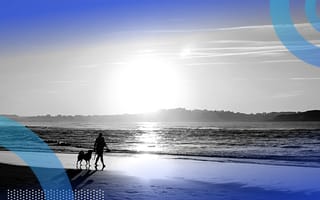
[145, 84]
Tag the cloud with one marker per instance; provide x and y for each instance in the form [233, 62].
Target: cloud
[305, 79]
[282, 61]
[254, 44]
[208, 63]
[205, 46]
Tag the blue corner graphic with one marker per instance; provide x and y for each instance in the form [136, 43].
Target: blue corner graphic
[37, 155]
[289, 35]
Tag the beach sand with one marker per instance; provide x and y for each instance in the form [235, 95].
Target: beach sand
[160, 177]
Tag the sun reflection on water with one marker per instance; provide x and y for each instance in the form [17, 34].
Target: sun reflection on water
[148, 137]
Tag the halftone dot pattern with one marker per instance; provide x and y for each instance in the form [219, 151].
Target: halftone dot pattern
[14, 136]
[31, 194]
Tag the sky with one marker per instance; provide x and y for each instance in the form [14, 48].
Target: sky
[131, 56]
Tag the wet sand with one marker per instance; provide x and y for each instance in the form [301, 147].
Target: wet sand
[130, 177]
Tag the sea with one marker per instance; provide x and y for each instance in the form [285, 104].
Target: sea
[293, 143]
[289, 143]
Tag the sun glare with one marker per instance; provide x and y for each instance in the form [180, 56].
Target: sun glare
[145, 84]
[185, 53]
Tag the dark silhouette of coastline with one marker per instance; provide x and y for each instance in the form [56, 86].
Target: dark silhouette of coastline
[312, 115]
[177, 115]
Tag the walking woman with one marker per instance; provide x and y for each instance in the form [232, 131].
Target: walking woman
[99, 146]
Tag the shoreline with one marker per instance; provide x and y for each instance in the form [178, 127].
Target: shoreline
[222, 159]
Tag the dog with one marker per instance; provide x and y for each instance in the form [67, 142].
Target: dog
[84, 156]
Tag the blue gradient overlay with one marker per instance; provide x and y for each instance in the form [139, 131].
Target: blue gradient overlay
[24, 23]
[47, 168]
[289, 35]
[34, 23]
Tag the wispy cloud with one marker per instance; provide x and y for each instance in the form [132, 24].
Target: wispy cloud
[282, 61]
[208, 63]
[237, 44]
[245, 27]
[205, 46]
[256, 44]
[305, 79]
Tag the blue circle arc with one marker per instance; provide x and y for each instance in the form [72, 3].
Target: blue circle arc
[289, 35]
[311, 13]
[44, 164]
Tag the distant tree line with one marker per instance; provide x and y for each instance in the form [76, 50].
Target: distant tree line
[178, 115]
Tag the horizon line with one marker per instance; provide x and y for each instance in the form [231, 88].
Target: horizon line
[154, 112]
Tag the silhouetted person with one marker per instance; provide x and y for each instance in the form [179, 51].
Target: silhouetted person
[99, 147]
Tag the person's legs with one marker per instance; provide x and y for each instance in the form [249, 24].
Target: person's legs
[101, 158]
[98, 155]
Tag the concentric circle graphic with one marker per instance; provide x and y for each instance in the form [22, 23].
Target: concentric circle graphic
[37, 155]
[311, 13]
[289, 35]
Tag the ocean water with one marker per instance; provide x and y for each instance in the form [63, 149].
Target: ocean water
[296, 142]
